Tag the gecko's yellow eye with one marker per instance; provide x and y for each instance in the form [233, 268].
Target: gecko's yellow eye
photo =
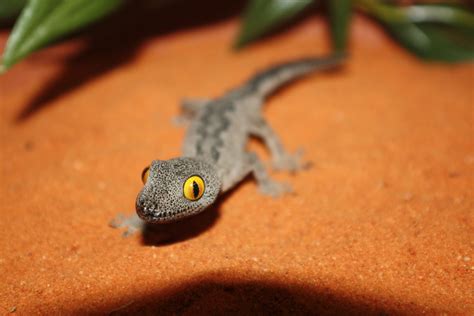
[193, 188]
[145, 174]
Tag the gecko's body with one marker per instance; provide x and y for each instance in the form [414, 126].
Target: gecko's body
[215, 147]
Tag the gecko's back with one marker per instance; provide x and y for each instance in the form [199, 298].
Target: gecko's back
[219, 134]
[220, 130]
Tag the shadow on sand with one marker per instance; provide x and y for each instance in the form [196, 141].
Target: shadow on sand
[116, 40]
[221, 294]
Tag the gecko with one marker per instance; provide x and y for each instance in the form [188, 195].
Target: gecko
[215, 158]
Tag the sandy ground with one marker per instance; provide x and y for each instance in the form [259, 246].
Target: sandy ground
[382, 223]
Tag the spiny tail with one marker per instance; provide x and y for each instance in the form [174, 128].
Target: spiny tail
[271, 79]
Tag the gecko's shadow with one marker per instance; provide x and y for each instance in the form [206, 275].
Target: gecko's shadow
[167, 234]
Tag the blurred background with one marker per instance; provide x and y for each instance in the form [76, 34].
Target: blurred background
[440, 31]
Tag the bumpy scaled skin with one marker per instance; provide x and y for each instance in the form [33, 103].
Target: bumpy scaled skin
[215, 147]
[162, 196]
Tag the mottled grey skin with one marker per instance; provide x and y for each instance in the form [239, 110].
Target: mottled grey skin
[162, 200]
[215, 147]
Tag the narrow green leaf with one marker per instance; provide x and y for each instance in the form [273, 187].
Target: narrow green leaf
[10, 8]
[30, 17]
[434, 41]
[452, 15]
[434, 32]
[339, 15]
[44, 21]
[262, 16]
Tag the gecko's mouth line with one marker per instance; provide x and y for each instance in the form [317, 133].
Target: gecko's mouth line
[152, 214]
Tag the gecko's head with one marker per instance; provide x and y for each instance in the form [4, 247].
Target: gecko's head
[176, 188]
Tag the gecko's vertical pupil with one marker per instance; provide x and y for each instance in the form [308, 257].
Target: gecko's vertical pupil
[195, 189]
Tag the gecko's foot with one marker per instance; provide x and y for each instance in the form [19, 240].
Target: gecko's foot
[291, 162]
[274, 189]
[132, 224]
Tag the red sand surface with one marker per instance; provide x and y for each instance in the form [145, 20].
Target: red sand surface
[383, 222]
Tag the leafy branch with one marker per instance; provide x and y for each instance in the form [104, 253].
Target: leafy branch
[431, 31]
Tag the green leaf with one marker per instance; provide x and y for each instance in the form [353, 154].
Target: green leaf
[261, 16]
[452, 15]
[339, 15]
[10, 8]
[434, 32]
[435, 41]
[44, 21]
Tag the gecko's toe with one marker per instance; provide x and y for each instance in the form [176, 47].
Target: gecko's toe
[129, 232]
[291, 162]
[132, 224]
[117, 222]
[274, 189]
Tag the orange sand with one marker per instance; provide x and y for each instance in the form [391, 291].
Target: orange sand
[382, 222]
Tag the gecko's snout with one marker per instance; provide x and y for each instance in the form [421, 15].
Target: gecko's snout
[151, 211]
[146, 210]
[140, 207]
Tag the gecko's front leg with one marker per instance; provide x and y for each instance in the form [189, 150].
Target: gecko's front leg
[265, 184]
[132, 224]
[281, 159]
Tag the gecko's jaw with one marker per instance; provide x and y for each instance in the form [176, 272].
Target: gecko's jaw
[148, 214]
[142, 211]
